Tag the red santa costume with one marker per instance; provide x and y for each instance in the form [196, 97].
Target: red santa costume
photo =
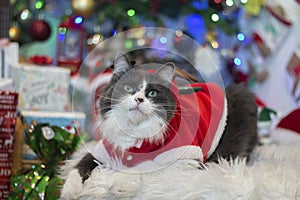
[193, 133]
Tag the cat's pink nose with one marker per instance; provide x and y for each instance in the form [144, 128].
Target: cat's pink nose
[139, 100]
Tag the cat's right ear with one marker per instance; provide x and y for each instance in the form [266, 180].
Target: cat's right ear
[121, 65]
[166, 72]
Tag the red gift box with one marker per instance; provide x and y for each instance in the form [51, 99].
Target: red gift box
[8, 115]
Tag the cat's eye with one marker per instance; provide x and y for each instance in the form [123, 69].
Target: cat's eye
[152, 93]
[128, 88]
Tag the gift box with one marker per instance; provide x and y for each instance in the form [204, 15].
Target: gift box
[67, 120]
[8, 55]
[71, 120]
[8, 115]
[41, 87]
[52, 145]
[6, 84]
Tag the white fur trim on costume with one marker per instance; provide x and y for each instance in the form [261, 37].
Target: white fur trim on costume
[100, 153]
[179, 153]
[220, 130]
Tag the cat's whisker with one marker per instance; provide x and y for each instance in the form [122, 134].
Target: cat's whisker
[109, 98]
[185, 113]
[172, 110]
[181, 106]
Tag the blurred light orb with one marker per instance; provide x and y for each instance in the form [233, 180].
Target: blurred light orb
[83, 8]
[240, 37]
[24, 14]
[237, 61]
[78, 20]
[163, 40]
[229, 3]
[131, 12]
[215, 17]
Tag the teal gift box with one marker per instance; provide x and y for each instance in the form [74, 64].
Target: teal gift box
[62, 119]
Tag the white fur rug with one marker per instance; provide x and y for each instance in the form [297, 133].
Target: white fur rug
[273, 173]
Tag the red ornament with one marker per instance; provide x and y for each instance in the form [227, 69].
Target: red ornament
[155, 5]
[39, 30]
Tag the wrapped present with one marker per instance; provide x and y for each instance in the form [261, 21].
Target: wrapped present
[8, 55]
[53, 145]
[8, 114]
[41, 87]
[6, 84]
[69, 120]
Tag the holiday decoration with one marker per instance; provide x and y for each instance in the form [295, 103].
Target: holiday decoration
[278, 13]
[293, 69]
[41, 88]
[41, 60]
[215, 14]
[84, 8]
[249, 62]
[14, 33]
[52, 145]
[291, 121]
[216, 4]
[132, 16]
[8, 114]
[70, 120]
[264, 50]
[265, 120]
[93, 40]
[40, 30]
[69, 44]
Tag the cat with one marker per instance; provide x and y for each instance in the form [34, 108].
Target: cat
[138, 113]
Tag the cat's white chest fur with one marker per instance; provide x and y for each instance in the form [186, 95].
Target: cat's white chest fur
[121, 132]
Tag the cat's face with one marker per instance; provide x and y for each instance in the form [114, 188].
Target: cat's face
[137, 104]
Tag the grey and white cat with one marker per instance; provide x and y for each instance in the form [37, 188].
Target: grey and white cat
[135, 109]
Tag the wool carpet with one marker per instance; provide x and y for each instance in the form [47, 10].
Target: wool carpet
[272, 173]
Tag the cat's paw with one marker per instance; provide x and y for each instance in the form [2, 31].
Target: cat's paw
[72, 187]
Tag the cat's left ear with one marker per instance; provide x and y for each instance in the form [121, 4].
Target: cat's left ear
[121, 65]
[166, 72]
